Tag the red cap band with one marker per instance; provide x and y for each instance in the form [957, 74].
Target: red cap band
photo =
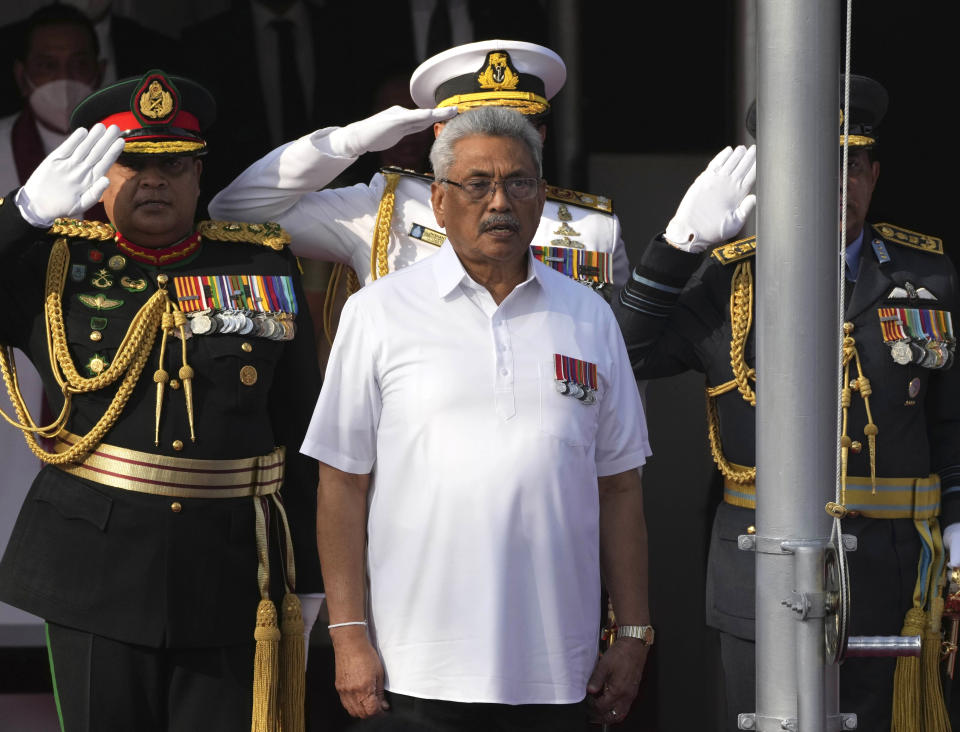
[127, 121]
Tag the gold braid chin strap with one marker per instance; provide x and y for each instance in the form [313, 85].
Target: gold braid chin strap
[741, 319]
[130, 358]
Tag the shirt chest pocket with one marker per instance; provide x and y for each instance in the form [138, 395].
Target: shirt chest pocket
[569, 408]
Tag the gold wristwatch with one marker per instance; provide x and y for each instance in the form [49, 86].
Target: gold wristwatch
[644, 633]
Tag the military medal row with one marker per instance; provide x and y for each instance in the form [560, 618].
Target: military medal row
[273, 326]
[576, 378]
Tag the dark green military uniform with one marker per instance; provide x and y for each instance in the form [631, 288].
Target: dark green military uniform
[176, 569]
[676, 315]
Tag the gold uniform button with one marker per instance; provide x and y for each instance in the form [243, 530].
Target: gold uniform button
[751, 530]
[246, 347]
[162, 279]
[248, 375]
[856, 447]
[176, 507]
[174, 384]
[178, 445]
[95, 335]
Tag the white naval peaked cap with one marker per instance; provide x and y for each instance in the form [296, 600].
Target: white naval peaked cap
[499, 73]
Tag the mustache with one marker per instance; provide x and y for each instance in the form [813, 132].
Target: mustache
[500, 220]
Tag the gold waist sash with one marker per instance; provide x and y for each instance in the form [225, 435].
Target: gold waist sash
[159, 475]
[912, 498]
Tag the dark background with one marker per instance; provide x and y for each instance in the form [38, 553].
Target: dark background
[659, 81]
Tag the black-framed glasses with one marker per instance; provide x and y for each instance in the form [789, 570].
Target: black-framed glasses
[477, 189]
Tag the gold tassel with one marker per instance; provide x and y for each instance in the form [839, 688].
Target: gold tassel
[906, 679]
[292, 666]
[267, 636]
[935, 715]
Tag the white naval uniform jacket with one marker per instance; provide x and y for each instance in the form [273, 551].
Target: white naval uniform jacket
[337, 224]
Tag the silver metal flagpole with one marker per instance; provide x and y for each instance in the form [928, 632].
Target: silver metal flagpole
[798, 55]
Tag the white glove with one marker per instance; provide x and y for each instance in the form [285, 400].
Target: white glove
[72, 178]
[717, 204]
[384, 129]
[310, 605]
[951, 544]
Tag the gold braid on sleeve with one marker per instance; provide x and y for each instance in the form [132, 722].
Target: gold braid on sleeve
[379, 266]
[741, 319]
[128, 363]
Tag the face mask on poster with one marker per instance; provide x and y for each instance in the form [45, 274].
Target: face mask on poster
[53, 102]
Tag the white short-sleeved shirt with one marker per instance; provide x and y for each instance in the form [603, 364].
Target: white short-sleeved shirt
[483, 548]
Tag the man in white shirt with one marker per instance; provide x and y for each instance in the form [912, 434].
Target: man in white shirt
[480, 435]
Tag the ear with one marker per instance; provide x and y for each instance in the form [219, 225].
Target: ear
[437, 127]
[437, 192]
[542, 130]
[20, 74]
[875, 166]
[541, 196]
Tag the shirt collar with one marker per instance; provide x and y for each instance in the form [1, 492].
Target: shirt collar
[853, 254]
[449, 271]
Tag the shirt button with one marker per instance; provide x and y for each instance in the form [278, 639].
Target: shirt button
[177, 445]
[504, 372]
[176, 507]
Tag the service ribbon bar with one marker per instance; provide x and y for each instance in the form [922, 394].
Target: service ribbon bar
[250, 293]
[578, 264]
[915, 324]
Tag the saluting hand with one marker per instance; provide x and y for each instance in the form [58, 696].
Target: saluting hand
[717, 204]
[72, 178]
[385, 129]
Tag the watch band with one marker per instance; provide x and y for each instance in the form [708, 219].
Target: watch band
[643, 633]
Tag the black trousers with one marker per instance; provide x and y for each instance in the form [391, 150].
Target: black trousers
[431, 715]
[103, 685]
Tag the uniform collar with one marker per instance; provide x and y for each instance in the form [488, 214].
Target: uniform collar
[164, 257]
[449, 270]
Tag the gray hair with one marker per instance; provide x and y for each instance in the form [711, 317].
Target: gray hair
[489, 122]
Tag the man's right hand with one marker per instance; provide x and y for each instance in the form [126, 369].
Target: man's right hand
[384, 129]
[717, 204]
[359, 674]
[72, 178]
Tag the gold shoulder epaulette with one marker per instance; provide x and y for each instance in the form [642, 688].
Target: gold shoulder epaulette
[735, 250]
[587, 200]
[79, 229]
[908, 238]
[406, 172]
[267, 234]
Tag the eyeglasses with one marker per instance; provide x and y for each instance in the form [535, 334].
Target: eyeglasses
[477, 189]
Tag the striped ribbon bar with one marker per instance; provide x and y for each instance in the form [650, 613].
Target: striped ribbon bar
[253, 293]
[578, 264]
[574, 371]
[900, 324]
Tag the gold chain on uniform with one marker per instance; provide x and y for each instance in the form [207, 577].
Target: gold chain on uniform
[741, 318]
[131, 356]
